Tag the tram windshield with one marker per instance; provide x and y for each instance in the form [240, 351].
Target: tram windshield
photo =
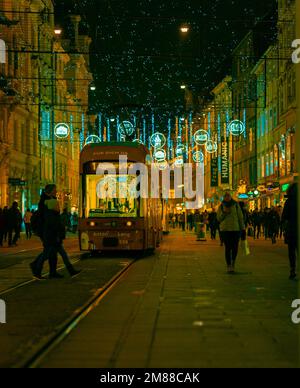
[110, 196]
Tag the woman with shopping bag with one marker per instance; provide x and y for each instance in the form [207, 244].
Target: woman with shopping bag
[232, 226]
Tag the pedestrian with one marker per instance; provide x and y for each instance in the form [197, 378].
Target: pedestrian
[256, 222]
[6, 217]
[213, 224]
[2, 227]
[53, 213]
[65, 219]
[49, 236]
[274, 224]
[291, 227]
[14, 224]
[27, 222]
[74, 222]
[232, 227]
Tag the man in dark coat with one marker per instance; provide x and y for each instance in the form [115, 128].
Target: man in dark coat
[14, 224]
[49, 234]
[290, 222]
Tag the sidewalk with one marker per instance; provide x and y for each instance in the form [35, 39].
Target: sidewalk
[181, 309]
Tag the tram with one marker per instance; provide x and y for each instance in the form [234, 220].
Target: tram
[113, 222]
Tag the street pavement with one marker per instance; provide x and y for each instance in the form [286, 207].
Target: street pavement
[36, 310]
[180, 308]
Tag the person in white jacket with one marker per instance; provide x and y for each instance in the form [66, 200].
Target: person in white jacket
[232, 227]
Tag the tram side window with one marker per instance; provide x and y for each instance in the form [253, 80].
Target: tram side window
[103, 200]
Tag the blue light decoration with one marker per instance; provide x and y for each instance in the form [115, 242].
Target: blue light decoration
[118, 124]
[245, 123]
[191, 141]
[153, 123]
[144, 130]
[201, 137]
[46, 124]
[211, 146]
[169, 136]
[108, 130]
[82, 134]
[237, 127]
[219, 128]
[92, 139]
[125, 128]
[198, 157]
[227, 124]
[158, 140]
[209, 124]
[100, 127]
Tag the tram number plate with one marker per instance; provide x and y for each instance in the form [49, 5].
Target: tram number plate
[110, 242]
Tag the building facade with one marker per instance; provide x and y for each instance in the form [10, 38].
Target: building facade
[44, 82]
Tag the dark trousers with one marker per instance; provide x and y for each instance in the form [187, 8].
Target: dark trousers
[49, 253]
[28, 230]
[61, 250]
[16, 231]
[256, 231]
[231, 241]
[293, 249]
[213, 232]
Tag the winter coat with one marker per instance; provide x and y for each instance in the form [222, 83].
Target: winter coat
[233, 221]
[290, 218]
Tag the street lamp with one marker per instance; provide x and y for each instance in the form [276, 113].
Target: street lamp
[58, 31]
[92, 87]
[182, 87]
[184, 29]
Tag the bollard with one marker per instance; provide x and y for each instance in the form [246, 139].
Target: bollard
[201, 233]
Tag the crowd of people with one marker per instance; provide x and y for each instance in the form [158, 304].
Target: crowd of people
[233, 222]
[12, 223]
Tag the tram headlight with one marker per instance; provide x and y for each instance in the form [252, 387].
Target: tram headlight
[129, 224]
[92, 223]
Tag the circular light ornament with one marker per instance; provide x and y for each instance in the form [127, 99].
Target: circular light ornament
[138, 141]
[236, 127]
[179, 162]
[211, 146]
[61, 130]
[180, 150]
[198, 157]
[162, 165]
[201, 137]
[158, 140]
[92, 139]
[160, 155]
[126, 128]
[148, 160]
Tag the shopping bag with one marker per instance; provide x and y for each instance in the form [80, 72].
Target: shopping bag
[245, 248]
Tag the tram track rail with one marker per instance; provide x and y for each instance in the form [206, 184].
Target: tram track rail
[30, 281]
[61, 332]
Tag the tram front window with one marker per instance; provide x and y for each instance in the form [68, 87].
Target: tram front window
[103, 199]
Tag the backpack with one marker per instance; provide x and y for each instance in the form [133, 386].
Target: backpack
[36, 223]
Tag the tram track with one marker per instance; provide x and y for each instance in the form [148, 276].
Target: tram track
[35, 359]
[30, 281]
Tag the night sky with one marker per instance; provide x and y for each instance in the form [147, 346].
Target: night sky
[140, 58]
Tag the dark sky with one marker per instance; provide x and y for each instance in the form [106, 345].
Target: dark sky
[139, 56]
